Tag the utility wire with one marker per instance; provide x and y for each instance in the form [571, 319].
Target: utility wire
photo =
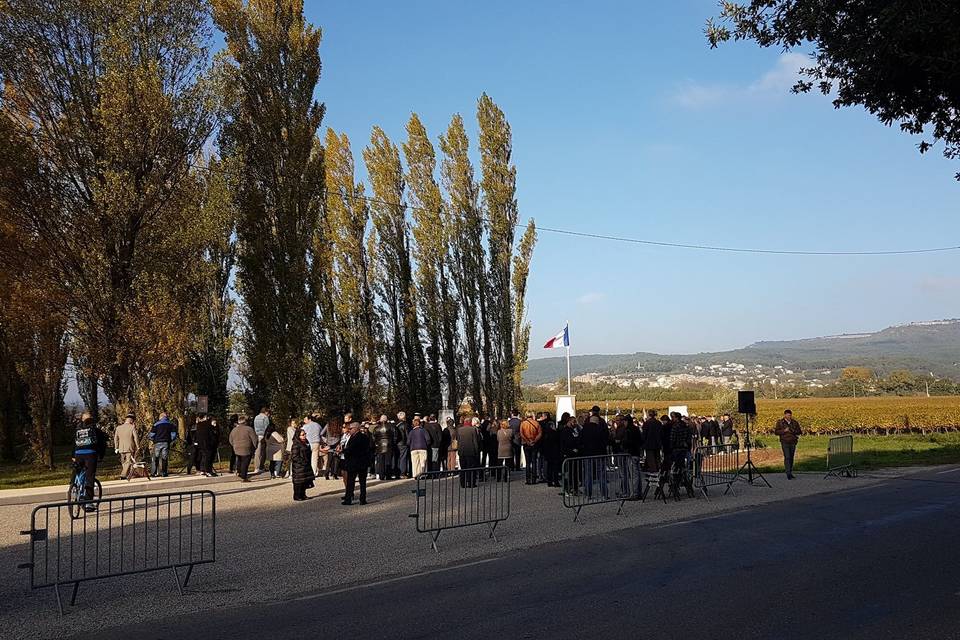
[656, 243]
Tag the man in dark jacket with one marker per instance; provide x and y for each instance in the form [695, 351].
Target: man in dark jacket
[402, 462]
[206, 443]
[682, 437]
[162, 435]
[89, 447]
[550, 451]
[789, 431]
[356, 460]
[728, 432]
[514, 424]
[435, 431]
[469, 446]
[595, 435]
[593, 442]
[385, 437]
[652, 444]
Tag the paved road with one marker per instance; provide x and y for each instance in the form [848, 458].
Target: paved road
[877, 562]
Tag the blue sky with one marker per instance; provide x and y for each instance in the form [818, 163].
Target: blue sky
[626, 123]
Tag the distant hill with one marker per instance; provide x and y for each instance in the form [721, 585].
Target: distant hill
[921, 347]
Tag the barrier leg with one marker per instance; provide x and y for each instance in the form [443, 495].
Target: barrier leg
[576, 517]
[187, 578]
[56, 590]
[176, 577]
[436, 534]
[73, 596]
[493, 531]
[620, 508]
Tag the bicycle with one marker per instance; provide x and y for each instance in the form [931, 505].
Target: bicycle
[75, 490]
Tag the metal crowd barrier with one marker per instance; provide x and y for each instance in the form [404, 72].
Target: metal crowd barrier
[840, 457]
[600, 479]
[715, 467]
[462, 498]
[125, 535]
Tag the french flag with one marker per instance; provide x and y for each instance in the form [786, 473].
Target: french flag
[560, 340]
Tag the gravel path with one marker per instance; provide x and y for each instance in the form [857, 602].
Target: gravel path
[260, 528]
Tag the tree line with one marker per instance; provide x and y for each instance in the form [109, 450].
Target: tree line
[169, 213]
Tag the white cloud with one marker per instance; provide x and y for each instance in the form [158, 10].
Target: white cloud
[591, 297]
[772, 84]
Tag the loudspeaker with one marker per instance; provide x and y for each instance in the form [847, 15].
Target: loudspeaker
[746, 403]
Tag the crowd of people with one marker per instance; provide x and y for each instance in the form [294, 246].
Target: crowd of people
[348, 450]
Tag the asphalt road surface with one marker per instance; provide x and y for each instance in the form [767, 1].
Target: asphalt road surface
[877, 562]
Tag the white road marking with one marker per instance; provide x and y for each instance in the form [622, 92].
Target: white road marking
[692, 520]
[379, 583]
[940, 473]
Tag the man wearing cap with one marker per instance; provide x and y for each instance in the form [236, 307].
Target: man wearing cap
[789, 431]
[125, 444]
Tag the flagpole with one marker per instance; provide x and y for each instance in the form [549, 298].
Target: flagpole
[567, 331]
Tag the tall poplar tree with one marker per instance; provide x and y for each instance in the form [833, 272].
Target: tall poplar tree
[499, 184]
[355, 310]
[468, 258]
[404, 353]
[432, 232]
[270, 134]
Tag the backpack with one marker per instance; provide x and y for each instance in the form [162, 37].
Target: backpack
[85, 438]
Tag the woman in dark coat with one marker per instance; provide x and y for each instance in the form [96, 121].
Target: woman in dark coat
[301, 469]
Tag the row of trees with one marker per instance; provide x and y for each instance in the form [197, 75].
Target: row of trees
[152, 264]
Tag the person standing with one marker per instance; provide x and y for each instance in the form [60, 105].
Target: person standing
[469, 446]
[292, 429]
[274, 451]
[162, 435]
[727, 432]
[206, 444]
[550, 452]
[514, 424]
[333, 431]
[311, 426]
[505, 446]
[125, 444]
[356, 456]
[243, 440]
[89, 447]
[260, 425]
[419, 441]
[652, 445]
[436, 438]
[569, 448]
[301, 465]
[403, 448]
[594, 438]
[384, 436]
[448, 445]
[530, 436]
[231, 423]
[789, 431]
[683, 437]
[491, 443]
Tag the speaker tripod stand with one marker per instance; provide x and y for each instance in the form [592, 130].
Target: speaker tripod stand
[752, 473]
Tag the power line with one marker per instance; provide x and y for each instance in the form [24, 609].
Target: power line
[671, 245]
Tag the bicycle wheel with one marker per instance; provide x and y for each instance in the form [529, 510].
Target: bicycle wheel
[73, 497]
